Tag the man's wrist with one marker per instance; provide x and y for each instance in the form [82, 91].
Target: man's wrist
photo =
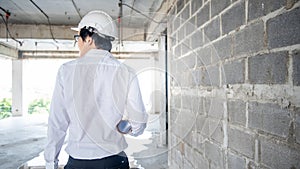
[52, 165]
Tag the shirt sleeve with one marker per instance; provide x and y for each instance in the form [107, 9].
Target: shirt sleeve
[58, 123]
[135, 108]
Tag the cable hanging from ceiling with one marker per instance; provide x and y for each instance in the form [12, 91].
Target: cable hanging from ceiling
[7, 15]
[76, 8]
[121, 3]
[49, 23]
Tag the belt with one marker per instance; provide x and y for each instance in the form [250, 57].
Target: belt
[106, 162]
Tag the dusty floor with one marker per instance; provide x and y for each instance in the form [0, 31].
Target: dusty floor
[23, 139]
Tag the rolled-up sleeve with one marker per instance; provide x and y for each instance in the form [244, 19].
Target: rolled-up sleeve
[58, 123]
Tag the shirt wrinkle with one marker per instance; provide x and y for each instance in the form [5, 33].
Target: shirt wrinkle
[90, 97]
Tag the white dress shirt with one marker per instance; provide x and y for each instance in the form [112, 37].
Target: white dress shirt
[92, 94]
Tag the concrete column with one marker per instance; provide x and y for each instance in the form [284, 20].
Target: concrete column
[160, 97]
[17, 87]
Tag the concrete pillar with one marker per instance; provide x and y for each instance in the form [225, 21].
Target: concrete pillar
[160, 97]
[17, 87]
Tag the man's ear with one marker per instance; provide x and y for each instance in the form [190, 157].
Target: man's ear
[89, 40]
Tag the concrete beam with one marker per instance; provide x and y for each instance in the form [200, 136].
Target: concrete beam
[49, 54]
[8, 51]
[23, 31]
[154, 29]
[75, 54]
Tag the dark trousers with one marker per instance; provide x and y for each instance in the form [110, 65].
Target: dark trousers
[119, 161]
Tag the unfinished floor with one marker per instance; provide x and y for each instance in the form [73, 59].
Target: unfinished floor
[23, 139]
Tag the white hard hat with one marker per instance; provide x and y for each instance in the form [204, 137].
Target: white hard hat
[99, 20]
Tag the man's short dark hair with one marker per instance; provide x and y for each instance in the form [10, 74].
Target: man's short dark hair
[100, 42]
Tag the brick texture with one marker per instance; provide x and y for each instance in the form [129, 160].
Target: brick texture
[235, 83]
[201, 162]
[197, 39]
[203, 15]
[217, 6]
[296, 68]
[212, 30]
[278, 155]
[237, 112]
[235, 162]
[223, 48]
[234, 72]
[204, 56]
[214, 107]
[258, 8]
[233, 18]
[215, 155]
[249, 39]
[196, 4]
[284, 30]
[213, 76]
[185, 15]
[297, 128]
[269, 68]
[241, 142]
[270, 118]
[180, 5]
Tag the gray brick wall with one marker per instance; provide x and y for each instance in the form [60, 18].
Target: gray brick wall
[279, 155]
[196, 4]
[284, 30]
[269, 68]
[203, 15]
[236, 162]
[250, 39]
[223, 48]
[213, 75]
[236, 104]
[270, 118]
[234, 72]
[212, 30]
[216, 131]
[185, 14]
[241, 141]
[200, 162]
[217, 6]
[204, 56]
[258, 8]
[214, 107]
[237, 112]
[296, 68]
[197, 40]
[297, 129]
[215, 155]
[234, 17]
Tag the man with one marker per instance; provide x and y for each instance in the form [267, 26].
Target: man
[91, 96]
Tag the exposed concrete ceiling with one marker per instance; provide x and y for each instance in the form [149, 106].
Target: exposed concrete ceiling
[27, 21]
[63, 12]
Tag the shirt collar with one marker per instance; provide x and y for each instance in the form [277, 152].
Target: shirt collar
[97, 53]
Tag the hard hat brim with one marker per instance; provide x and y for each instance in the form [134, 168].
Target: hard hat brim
[75, 29]
[111, 38]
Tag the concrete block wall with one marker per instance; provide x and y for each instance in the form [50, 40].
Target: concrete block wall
[234, 84]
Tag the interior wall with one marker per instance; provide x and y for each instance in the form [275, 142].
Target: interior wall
[235, 76]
